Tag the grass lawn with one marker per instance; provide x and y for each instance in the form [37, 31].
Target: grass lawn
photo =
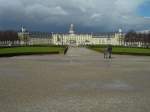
[126, 51]
[4, 52]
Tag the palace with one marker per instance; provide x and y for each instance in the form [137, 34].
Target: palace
[71, 38]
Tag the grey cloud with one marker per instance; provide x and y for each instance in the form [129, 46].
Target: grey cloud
[97, 15]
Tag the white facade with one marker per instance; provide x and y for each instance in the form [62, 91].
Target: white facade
[87, 39]
[71, 38]
[34, 38]
[67, 39]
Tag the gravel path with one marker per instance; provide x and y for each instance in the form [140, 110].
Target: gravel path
[80, 81]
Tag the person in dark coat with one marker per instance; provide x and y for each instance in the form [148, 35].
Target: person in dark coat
[110, 50]
[65, 51]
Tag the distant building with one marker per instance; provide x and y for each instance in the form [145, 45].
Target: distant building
[34, 38]
[71, 38]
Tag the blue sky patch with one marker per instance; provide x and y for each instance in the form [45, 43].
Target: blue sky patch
[144, 9]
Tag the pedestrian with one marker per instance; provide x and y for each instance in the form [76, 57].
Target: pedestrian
[65, 51]
[110, 51]
[106, 52]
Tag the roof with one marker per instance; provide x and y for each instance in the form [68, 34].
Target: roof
[39, 34]
[144, 31]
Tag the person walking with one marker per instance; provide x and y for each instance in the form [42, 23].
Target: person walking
[65, 51]
[106, 53]
[110, 51]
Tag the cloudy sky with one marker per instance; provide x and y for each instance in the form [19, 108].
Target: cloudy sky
[87, 15]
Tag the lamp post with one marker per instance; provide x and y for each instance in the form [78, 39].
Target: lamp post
[62, 40]
[52, 38]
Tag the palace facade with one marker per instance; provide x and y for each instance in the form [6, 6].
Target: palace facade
[71, 38]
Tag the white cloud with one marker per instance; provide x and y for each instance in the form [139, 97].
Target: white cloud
[95, 15]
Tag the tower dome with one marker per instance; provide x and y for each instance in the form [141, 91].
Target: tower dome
[23, 30]
[120, 30]
[71, 29]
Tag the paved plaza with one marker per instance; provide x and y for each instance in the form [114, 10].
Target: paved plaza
[80, 81]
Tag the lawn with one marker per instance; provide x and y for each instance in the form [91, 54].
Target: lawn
[29, 51]
[125, 50]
